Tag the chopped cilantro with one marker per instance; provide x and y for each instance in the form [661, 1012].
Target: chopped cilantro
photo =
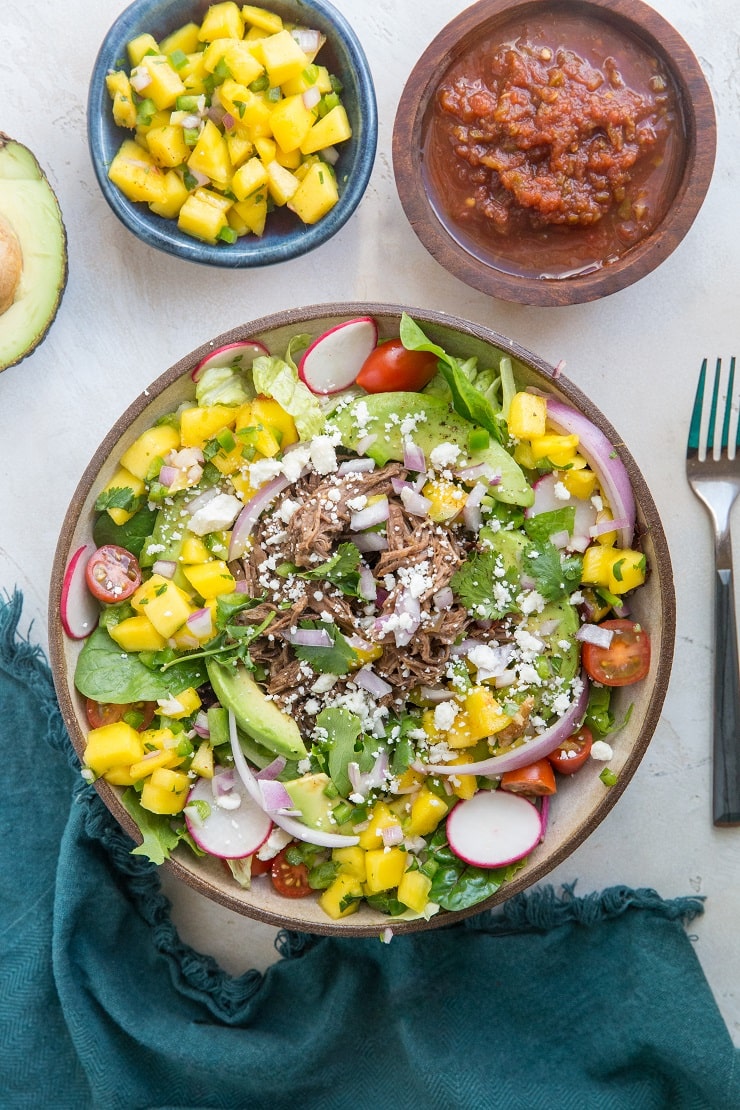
[335, 659]
[341, 570]
[483, 586]
[118, 497]
[555, 574]
[539, 528]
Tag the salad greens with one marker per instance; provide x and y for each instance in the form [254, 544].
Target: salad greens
[375, 602]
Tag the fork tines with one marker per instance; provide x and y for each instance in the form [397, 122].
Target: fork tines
[715, 406]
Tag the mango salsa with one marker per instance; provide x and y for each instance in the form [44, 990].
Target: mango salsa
[230, 119]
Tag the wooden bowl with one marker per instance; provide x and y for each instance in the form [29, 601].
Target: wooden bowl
[582, 800]
[554, 266]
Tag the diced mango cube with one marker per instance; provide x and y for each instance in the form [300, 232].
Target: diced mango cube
[185, 38]
[447, 499]
[165, 791]
[116, 744]
[153, 761]
[203, 215]
[198, 423]
[291, 122]
[202, 761]
[176, 195]
[167, 144]
[281, 183]
[165, 84]
[123, 479]
[210, 155]
[136, 174]
[237, 57]
[351, 861]
[427, 810]
[342, 897]
[618, 569]
[527, 415]
[182, 705]
[248, 178]
[385, 868]
[194, 550]
[124, 107]
[316, 195]
[559, 449]
[152, 444]
[463, 786]
[138, 47]
[210, 579]
[381, 817]
[222, 21]
[485, 717]
[283, 57]
[331, 129]
[261, 18]
[164, 603]
[137, 634]
[413, 890]
[580, 483]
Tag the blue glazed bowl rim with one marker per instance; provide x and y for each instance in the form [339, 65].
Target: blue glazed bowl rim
[163, 234]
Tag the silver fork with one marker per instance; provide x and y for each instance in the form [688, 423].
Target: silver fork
[713, 472]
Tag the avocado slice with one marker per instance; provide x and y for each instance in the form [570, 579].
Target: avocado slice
[437, 423]
[308, 794]
[565, 621]
[33, 253]
[259, 717]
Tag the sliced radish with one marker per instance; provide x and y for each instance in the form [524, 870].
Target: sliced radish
[235, 826]
[333, 361]
[78, 609]
[493, 828]
[232, 354]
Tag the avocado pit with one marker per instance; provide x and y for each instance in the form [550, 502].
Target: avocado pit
[11, 265]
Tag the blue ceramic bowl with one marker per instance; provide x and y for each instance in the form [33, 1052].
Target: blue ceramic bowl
[344, 56]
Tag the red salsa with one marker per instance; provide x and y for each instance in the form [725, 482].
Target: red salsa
[553, 148]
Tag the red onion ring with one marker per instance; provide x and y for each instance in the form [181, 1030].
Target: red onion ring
[251, 513]
[602, 458]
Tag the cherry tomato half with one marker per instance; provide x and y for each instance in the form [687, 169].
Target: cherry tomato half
[536, 778]
[139, 714]
[289, 879]
[390, 368]
[261, 866]
[112, 574]
[626, 660]
[573, 752]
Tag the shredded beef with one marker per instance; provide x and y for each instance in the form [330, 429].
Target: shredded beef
[421, 557]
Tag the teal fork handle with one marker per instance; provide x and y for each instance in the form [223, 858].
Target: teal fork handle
[726, 793]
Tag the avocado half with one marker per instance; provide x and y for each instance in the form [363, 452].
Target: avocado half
[33, 253]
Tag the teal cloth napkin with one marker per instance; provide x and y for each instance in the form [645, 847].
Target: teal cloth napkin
[558, 1001]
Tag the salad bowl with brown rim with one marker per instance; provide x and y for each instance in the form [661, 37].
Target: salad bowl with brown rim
[582, 800]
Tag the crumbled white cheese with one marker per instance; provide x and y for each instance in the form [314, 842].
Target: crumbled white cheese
[444, 715]
[443, 455]
[323, 454]
[216, 515]
[601, 750]
[561, 491]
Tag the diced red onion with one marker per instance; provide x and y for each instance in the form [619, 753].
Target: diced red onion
[202, 500]
[200, 623]
[223, 783]
[308, 39]
[272, 770]
[367, 586]
[415, 503]
[367, 679]
[409, 607]
[309, 637]
[296, 828]
[242, 586]
[311, 96]
[413, 457]
[391, 835]
[472, 507]
[601, 527]
[200, 724]
[275, 798]
[167, 475]
[330, 154]
[364, 782]
[140, 79]
[356, 466]
[165, 567]
[560, 539]
[595, 634]
[435, 694]
[370, 541]
[368, 517]
[531, 750]
[200, 177]
[217, 114]
[475, 473]
[251, 513]
[444, 598]
[228, 121]
[602, 458]
[365, 443]
[465, 646]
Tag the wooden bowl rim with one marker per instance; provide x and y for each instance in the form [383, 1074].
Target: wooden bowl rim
[639, 21]
[180, 865]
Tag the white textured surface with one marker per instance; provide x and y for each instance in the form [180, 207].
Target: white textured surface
[130, 312]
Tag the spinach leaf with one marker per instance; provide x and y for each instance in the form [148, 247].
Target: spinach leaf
[108, 674]
[132, 535]
[457, 885]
